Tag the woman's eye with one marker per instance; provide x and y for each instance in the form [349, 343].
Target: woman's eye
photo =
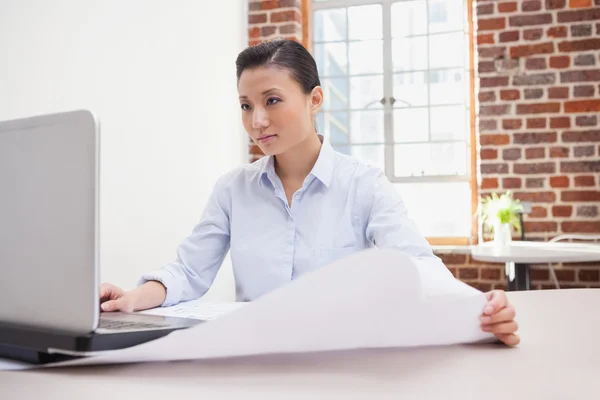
[272, 101]
[245, 107]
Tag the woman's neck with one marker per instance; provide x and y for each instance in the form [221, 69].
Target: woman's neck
[297, 162]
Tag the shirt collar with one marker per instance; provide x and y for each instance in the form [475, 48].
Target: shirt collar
[267, 169]
[322, 170]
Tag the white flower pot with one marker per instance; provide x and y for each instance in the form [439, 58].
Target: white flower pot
[502, 234]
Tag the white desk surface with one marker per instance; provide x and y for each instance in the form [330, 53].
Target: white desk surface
[559, 358]
[536, 252]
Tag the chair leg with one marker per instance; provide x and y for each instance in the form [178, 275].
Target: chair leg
[553, 275]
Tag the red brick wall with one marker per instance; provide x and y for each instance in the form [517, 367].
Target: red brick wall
[487, 276]
[539, 84]
[480, 275]
[538, 123]
[269, 19]
[538, 63]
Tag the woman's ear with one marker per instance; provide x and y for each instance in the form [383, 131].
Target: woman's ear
[316, 99]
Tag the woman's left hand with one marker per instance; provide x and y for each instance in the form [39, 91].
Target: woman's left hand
[499, 318]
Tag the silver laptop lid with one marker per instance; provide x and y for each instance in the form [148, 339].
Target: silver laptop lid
[49, 221]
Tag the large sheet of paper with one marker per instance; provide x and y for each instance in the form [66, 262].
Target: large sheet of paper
[10, 365]
[373, 299]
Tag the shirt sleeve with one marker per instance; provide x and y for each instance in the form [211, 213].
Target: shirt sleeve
[389, 226]
[199, 256]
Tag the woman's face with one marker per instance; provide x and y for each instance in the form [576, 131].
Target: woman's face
[276, 113]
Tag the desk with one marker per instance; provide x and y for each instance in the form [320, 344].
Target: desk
[525, 253]
[559, 358]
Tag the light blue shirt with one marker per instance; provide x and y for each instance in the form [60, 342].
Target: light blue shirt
[344, 206]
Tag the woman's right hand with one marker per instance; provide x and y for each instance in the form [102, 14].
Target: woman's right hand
[113, 298]
[149, 295]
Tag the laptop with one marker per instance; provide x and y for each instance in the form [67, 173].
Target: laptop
[49, 245]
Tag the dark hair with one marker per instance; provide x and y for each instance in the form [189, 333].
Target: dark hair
[285, 54]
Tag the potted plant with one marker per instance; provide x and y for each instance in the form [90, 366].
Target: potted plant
[501, 215]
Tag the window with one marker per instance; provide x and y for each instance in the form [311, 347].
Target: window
[396, 77]
[437, 12]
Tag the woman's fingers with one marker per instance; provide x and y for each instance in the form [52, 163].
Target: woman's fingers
[505, 315]
[499, 318]
[497, 300]
[121, 304]
[501, 328]
[110, 292]
[509, 339]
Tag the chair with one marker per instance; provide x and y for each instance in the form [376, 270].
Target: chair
[593, 237]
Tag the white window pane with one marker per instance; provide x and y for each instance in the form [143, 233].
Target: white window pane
[334, 126]
[449, 123]
[411, 125]
[367, 126]
[409, 18]
[409, 54]
[335, 93]
[448, 86]
[366, 92]
[410, 89]
[430, 159]
[331, 59]
[447, 50]
[370, 154]
[431, 214]
[366, 57]
[468, 126]
[330, 25]
[365, 22]
[446, 15]
[466, 52]
[342, 148]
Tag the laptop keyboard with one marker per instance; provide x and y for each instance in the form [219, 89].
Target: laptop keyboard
[115, 325]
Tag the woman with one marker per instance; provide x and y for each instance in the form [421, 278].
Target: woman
[301, 207]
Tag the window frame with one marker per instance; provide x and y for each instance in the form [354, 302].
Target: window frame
[308, 8]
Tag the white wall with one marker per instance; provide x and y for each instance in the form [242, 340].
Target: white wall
[160, 75]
